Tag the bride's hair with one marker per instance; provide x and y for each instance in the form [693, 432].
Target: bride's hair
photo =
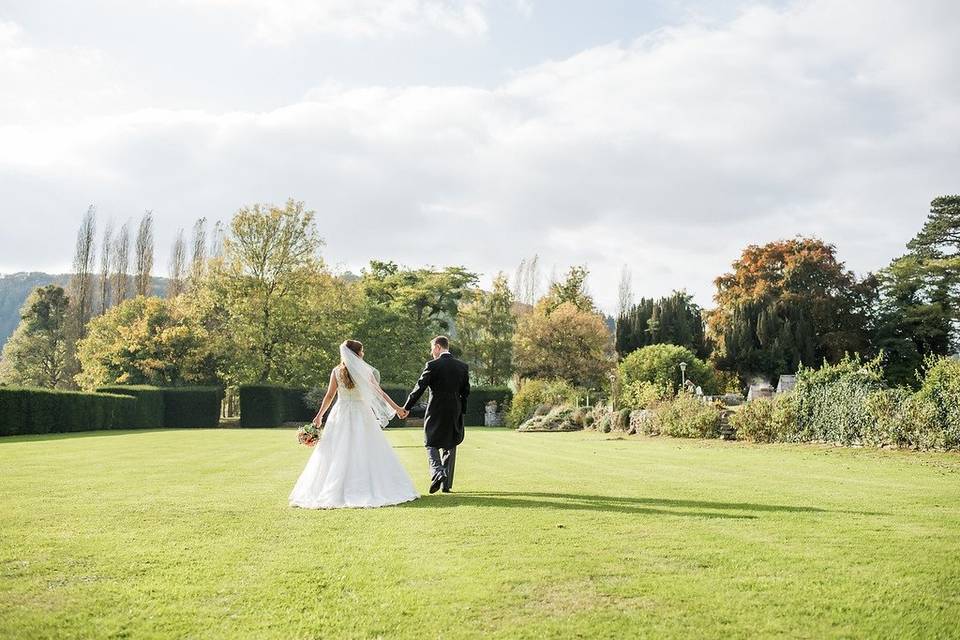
[357, 347]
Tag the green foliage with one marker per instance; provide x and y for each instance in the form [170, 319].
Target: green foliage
[485, 328]
[572, 290]
[671, 320]
[147, 341]
[766, 419]
[24, 410]
[941, 389]
[558, 419]
[192, 406]
[659, 364]
[270, 405]
[832, 400]
[428, 296]
[565, 342]
[785, 303]
[642, 394]
[621, 421]
[535, 392]
[36, 354]
[685, 416]
[150, 409]
[902, 419]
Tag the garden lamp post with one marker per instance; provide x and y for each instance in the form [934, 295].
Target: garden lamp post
[683, 375]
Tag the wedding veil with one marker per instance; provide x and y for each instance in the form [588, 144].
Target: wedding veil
[367, 382]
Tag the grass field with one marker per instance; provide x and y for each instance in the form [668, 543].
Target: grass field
[187, 533]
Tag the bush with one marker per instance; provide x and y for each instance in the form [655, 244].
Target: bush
[660, 364]
[270, 405]
[48, 411]
[478, 399]
[535, 392]
[766, 419]
[621, 420]
[941, 389]
[559, 419]
[902, 419]
[687, 417]
[187, 407]
[149, 412]
[832, 400]
[642, 394]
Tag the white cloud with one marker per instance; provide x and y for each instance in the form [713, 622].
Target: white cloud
[669, 153]
[279, 22]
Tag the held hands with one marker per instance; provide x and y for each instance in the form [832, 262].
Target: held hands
[402, 413]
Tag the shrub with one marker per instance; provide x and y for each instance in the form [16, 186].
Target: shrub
[643, 421]
[941, 389]
[149, 411]
[622, 420]
[642, 394]
[52, 411]
[687, 417]
[559, 419]
[535, 392]
[831, 401]
[902, 419]
[659, 364]
[187, 407]
[766, 419]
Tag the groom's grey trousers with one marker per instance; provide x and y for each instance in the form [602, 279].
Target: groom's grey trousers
[442, 462]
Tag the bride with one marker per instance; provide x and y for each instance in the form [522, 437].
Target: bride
[353, 465]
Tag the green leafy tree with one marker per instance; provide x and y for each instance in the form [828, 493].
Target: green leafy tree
[659, 365]
[566, 342]
[271, 258]
[572, 289]
[36, 353]
[147, 341]
[485, 328]
[429, 296]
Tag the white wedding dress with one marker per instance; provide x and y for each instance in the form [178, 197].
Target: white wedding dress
[353, 464]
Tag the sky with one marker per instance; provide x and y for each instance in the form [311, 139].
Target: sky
[659, 135]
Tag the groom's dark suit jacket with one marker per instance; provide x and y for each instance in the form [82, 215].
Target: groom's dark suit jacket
[449, 382]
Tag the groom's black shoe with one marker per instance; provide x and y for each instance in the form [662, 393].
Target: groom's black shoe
[436, 483]
[446, 489]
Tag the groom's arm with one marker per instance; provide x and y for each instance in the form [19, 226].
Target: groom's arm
[420, 387]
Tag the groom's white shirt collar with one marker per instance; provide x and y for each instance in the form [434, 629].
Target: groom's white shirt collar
[443, 353]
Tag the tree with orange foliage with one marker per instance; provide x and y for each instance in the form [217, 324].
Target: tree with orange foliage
[785, 303]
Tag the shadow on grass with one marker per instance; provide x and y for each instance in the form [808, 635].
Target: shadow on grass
[562, 502]
[614, 504]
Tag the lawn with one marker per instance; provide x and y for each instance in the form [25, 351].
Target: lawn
[187, 533]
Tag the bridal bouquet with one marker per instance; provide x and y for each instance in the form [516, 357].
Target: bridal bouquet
[308, 434]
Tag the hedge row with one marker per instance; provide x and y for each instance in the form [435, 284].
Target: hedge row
[46, 411]
[265, 405]
[270, 405]
[172, 407]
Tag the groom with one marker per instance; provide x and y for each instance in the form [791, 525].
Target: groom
[449, 382]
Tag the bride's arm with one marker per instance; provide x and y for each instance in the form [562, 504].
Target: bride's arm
[383, 394]
[327, 399]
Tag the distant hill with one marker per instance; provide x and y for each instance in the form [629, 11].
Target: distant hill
[15, 287]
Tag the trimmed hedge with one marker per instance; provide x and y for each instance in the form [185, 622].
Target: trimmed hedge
[172, 407]
[478, 399]
[271, 405]
[188, 407]
[149, 412]
[24, 410]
